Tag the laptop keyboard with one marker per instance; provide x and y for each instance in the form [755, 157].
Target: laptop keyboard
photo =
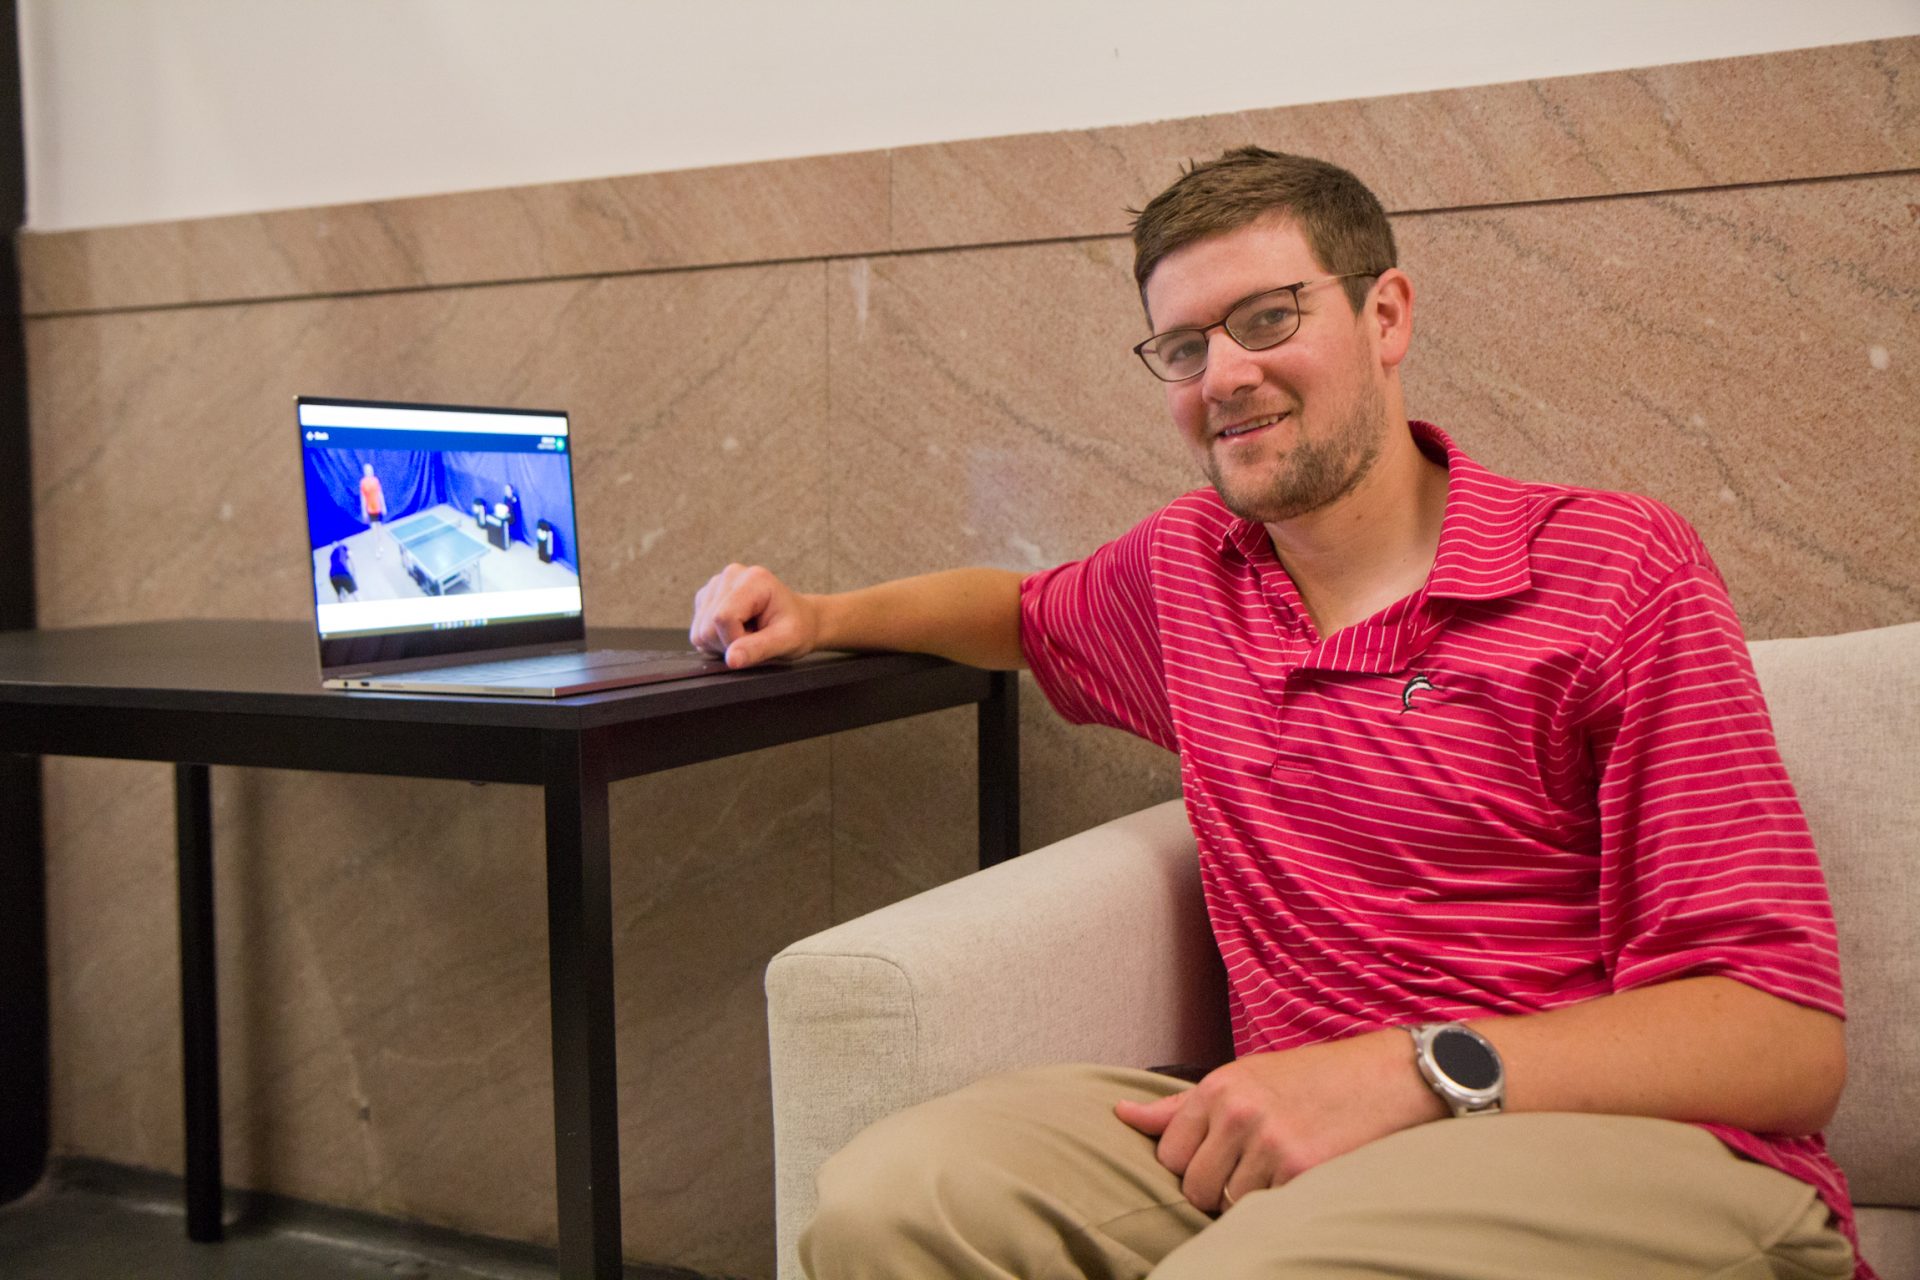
[553, 664]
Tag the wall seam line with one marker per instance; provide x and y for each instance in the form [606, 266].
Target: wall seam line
[913, 251]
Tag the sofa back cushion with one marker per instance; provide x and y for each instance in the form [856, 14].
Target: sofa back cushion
[1846, 711]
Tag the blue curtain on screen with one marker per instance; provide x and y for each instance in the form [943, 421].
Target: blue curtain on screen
[541, 481]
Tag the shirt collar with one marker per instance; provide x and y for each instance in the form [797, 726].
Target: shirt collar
[1484, 533]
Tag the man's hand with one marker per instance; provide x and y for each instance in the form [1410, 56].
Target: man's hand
[1269, 1117]
[967, 615]
[1695, 1049]
[751, 616]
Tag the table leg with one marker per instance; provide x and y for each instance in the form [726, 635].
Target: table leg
[199, 999]
[23, 979]
[580, 967]
[999, 721]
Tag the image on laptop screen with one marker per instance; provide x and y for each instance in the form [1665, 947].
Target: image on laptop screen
[425, 519]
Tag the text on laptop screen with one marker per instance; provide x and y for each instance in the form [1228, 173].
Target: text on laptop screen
[429, 519]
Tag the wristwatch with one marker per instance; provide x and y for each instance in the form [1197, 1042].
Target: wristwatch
[1459, 1065]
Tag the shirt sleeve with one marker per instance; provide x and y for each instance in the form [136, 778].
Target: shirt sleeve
[1091, 637]
[1707, 865]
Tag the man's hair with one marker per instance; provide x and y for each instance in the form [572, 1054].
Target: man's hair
[1342, 221]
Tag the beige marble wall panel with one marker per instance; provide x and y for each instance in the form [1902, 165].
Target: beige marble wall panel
[277, 254]
[984, 410]
[904, 796]
[113, 977]
[1773, 117]
[383, 940]
[1750, 357]
[772, 211]
[166, 471]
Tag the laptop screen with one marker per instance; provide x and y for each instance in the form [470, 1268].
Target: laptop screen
[438, 528]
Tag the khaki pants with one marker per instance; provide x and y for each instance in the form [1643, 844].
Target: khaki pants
[1030, 1176]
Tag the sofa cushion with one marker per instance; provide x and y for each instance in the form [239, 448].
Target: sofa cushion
[1846, 711]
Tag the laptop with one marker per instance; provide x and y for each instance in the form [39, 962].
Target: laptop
[445, 554]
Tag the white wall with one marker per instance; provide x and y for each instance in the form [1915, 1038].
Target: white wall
[143, 110]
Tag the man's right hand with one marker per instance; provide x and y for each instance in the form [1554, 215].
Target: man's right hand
[750, 616]
[967, 615]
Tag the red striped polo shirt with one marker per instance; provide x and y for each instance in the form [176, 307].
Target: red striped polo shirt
[1545, 776]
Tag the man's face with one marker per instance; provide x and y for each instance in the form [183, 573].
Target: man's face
[1285, 431]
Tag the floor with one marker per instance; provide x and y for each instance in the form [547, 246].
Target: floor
[92, 1221]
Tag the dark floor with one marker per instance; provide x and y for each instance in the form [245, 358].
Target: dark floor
[91, 1221]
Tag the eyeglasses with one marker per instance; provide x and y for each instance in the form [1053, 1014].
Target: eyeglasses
[1256, 322]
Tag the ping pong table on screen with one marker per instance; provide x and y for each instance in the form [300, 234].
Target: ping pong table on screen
[438, 551]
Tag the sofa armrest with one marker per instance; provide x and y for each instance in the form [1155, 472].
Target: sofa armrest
[1093, 949]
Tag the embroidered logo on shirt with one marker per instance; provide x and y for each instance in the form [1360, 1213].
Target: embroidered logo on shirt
[1406, 694]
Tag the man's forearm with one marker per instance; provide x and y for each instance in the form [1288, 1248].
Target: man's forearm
[968, 615]
[1701, 1049]
[1697, 1049]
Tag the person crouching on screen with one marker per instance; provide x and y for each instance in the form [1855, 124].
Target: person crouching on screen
[340, 572]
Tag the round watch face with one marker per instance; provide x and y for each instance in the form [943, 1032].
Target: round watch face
[1466, 1062]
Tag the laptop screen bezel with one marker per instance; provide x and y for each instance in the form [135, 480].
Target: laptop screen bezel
[345, 653]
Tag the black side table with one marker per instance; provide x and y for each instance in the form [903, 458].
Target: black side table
[204, 693]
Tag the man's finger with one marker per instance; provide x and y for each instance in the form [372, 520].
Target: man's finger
[746, 651]
[723, 606]
[1184, 1135]
[1225, 1171]
[735, 615]
[714, 633]
[1253, 1173]
[1150, 1118]
[771, 637]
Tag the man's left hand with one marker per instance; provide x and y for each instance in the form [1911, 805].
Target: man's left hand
[1269, 1117]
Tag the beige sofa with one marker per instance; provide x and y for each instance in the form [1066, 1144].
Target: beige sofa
[1096, 949]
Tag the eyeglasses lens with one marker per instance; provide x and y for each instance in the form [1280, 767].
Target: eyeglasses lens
[1177, 355]
[1265, 320]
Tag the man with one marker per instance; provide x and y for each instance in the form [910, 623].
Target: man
[373, 505]
[1530, 963]
[340, 572]
[511, 501]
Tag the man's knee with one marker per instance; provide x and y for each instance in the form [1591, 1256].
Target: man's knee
[947, 1187]
[870, 1191]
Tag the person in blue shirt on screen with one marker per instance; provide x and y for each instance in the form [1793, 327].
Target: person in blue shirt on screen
[340, 572]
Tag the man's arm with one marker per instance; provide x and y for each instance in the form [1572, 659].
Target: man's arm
[1695, 1049]
[1705, 1049]
[968, 615]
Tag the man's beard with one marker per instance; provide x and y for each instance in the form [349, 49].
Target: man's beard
[1313, 473]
